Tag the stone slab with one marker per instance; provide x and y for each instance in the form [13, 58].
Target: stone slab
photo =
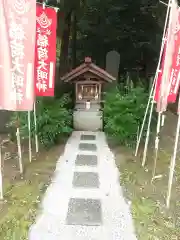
[86, 180]
[88, 137]
[87, 147]
[85, 212]
[86, 160]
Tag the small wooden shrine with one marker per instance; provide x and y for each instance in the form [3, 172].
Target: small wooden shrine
[89, 80]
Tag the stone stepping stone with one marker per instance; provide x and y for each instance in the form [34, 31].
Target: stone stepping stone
[87, 147]
[88, 137]
[86, 160]
[86, 180]
[85, 212]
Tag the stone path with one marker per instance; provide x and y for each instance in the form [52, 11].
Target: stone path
[84, 200]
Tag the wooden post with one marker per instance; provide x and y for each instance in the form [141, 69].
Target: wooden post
[100, 89]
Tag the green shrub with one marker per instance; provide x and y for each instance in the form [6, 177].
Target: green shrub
[54, 120]
[123, 113]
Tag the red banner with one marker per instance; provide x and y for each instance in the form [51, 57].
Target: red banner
[160, 73]
[45, 58]
[175, 69]
[171, 86]
[17, 39]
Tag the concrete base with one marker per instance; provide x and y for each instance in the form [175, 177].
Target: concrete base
[88, 120]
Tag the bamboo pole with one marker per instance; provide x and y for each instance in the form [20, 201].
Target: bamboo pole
[49, 6]
[144, 119]
[29, 132]
[164, 93]
[35, 125]
[155, 82]
[19, 150]
[165, 85]
[157, 143]
[173, 160]
[152, 92]
[148, 133]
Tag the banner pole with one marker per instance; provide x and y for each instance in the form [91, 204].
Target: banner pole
[49, 6]
[158, 128]
[137, 137]
[29, 131]
[35, 124]
[173, 159]
[172, 164]
[1, 178]
[19, 150]
[137, 134]
[153, 88]
[144, 120]
[163, 3]
[161, 105]
[161, 116]
[150, 116]
[148, 132]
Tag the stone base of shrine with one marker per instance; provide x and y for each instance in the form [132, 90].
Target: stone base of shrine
[88, 120]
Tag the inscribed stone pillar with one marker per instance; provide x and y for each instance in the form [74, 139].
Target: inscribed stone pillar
[112, 63]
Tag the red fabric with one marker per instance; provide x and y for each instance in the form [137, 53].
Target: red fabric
[45, 57]
[159, 77]
[175, 70]
[170, 75]
[17, 41]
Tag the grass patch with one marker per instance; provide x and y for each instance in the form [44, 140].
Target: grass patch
[151, 218]
[22, 196]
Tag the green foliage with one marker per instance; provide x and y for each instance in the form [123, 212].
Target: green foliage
[135, 32]
[123, 112]
[54, 120]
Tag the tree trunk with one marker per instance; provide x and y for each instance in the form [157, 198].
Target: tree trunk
[63, 68]
[74, 39]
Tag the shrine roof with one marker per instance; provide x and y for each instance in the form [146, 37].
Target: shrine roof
[85, 67]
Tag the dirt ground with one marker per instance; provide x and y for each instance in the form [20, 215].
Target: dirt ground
[22, 194]
[153, 221]
[148, 200]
